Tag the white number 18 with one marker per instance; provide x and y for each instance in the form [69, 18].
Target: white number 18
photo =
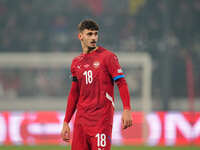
[101, 140]
[88, 76]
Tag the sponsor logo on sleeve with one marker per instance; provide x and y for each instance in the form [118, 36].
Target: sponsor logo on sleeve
[119, 70]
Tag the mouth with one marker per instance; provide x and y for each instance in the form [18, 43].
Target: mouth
[93, 42]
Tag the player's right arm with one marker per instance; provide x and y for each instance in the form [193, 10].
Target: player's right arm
[70, 109]
[71, 106]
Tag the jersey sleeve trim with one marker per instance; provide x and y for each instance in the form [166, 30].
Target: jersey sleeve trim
[118, 77]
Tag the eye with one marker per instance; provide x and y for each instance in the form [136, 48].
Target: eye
[90, 33]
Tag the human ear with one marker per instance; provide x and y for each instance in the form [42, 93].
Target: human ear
[79, 36]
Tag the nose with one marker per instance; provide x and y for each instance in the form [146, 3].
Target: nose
[94, 36]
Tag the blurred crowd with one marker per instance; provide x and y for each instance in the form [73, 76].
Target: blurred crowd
[156, 27]
[47, 25]
[34, 82]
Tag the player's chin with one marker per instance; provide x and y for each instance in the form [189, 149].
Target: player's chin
[91, 47]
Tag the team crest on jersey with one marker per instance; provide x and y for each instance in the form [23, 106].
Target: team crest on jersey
[96, 64]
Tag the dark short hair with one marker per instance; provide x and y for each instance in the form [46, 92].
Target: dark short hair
[88, 24]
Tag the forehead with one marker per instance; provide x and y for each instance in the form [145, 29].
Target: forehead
[89, 31]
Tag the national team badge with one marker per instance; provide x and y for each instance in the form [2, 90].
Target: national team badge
[96, 64]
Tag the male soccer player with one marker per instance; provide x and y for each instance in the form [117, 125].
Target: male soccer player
[94, 73]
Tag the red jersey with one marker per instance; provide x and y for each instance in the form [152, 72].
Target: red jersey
[95, 73]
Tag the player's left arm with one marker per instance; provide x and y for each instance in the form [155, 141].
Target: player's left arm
[125, 97]
[117, 74]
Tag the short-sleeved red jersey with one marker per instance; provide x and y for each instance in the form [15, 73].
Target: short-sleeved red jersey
[95, 73]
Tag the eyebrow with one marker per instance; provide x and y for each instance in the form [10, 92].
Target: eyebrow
[92, 32]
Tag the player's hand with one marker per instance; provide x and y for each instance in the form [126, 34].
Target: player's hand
[65, 133]
[126, 119]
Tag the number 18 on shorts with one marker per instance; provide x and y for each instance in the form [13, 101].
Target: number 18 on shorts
[102, 142]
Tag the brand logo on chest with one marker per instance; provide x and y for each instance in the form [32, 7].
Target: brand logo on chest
[79, 67]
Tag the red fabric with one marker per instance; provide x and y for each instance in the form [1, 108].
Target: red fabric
[81, 140]
[72, 101]
[124, 93]
[95, 103]
[95, 72]
[113, 66]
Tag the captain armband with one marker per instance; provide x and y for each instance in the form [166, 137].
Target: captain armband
[118, 77]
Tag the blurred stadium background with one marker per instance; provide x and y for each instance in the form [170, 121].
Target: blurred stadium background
[158, 44]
